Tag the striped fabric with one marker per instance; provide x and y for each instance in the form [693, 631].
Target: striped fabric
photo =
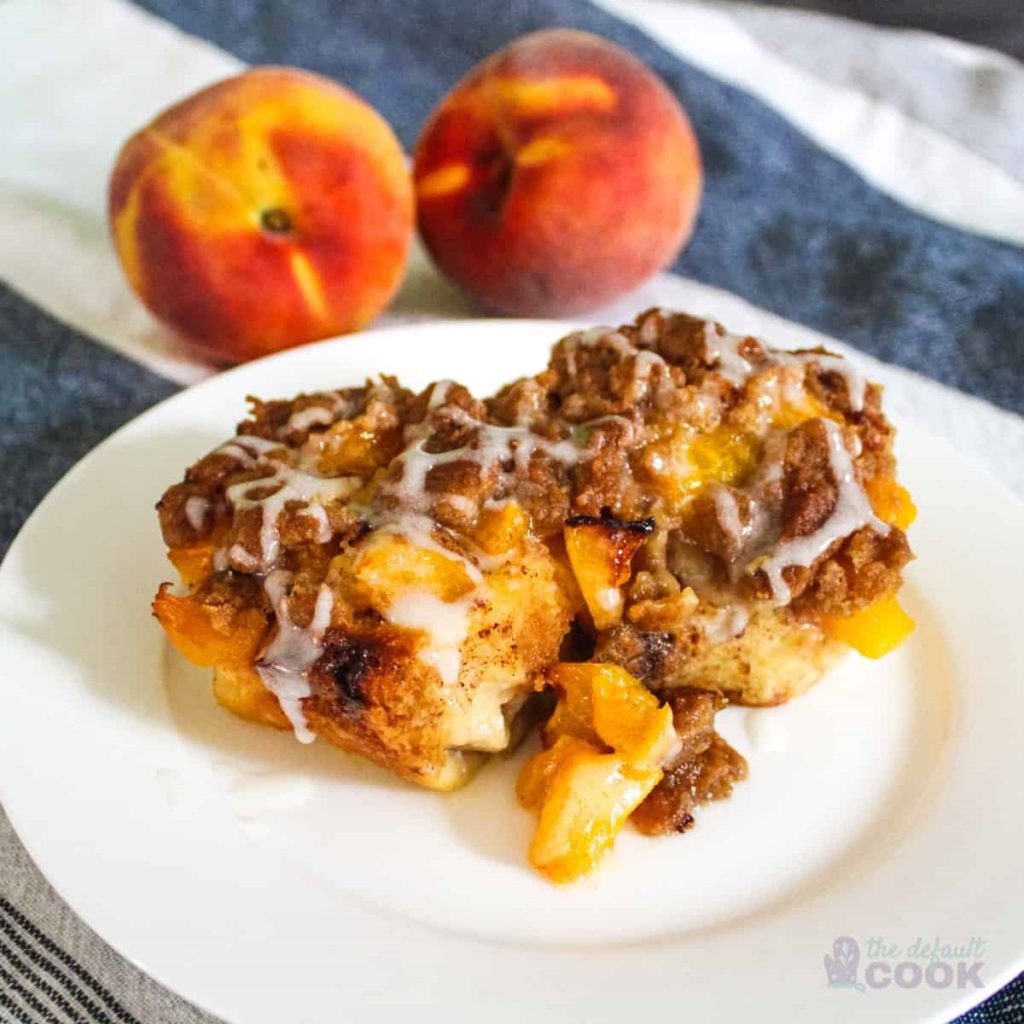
[843, 198]
[44, 978]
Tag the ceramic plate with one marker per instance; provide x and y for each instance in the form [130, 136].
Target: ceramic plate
[270, 882]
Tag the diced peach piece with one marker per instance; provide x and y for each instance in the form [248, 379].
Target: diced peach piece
[350, 447]
[589, 797]
[501, 530]
[240, 690]
[601, 552]
[584, 792]
[389, 565]
[678, 464]
[535, 777]
[193, 563]
[209, 635]
[574, 712]
[874, 631]
[723, 455]
[628, 717]
[607, 701]
[791, 414]
[891, 502]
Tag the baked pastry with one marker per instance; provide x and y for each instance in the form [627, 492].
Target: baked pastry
[328, 599]
[683, 509]
[769, 481]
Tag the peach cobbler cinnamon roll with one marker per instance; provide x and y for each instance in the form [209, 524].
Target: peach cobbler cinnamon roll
[666, 518]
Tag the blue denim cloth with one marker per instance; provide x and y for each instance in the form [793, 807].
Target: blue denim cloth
[783, 224]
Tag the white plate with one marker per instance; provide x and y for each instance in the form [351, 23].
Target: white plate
[270, 882]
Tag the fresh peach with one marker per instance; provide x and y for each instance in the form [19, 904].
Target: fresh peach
[558, 175]
[265, 211]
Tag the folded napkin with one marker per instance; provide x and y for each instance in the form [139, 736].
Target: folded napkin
[840, 197]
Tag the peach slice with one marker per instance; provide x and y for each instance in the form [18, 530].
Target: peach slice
[604, 704]
[891, 502]
[606, 741]
[501, 530]
[587, 799]
[873, 631]
[389, 565]
[600, 552]
[194, 563]
[210, 635]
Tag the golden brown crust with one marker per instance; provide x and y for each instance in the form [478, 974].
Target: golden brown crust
[702, 767]
[374, 508]
[708, 775]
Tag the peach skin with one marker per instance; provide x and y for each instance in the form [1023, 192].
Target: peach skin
[265, 211]
[558, 175]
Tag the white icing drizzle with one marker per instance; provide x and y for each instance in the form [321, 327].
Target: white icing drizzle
[650, 328]
[197, 511]
[644, 360]
[439, 394]
[591, 338]
[254, 444]
[417, 463]
[246, 449]
[756, 533]
[317, 415]
[495, 444]
[851, 512]
[444, 623]
[288, 483]
[724, 349]
[240, 556]
[319, 515]
[631, 432]
[769, 473]
[599, 334]
[237, 452]
[284, 667]
[729, 513]
[491, 446]
[460, 503]
[856, 382]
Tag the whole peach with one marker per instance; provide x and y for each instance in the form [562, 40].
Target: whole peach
[265, 211]
[558, 175]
